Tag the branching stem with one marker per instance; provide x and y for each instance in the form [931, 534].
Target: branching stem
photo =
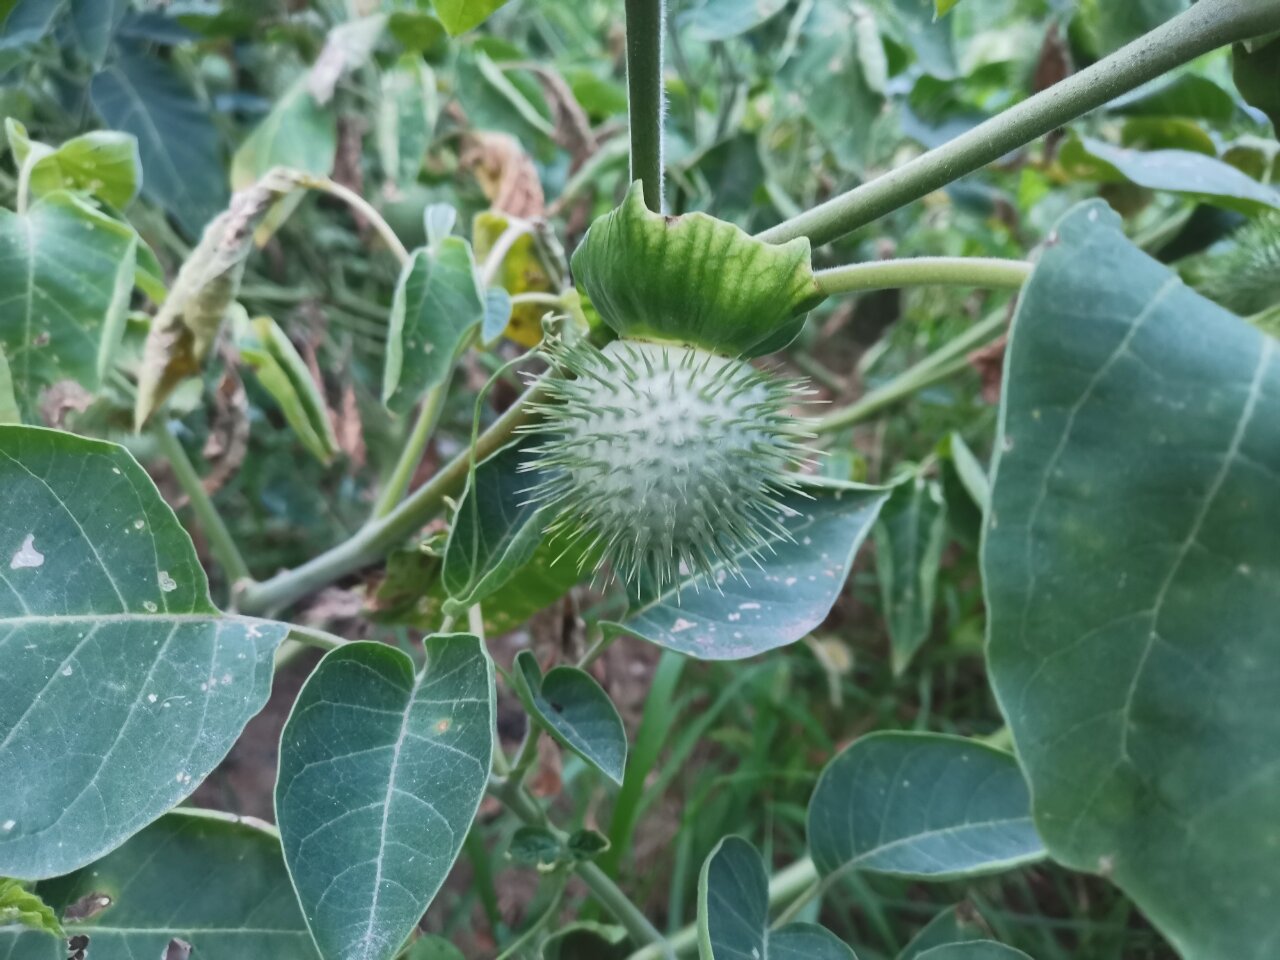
[923, 271]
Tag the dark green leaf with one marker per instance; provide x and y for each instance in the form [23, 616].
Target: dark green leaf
[576, 711]
[438, 306]
[921, 805]
[733, 913]
[791, 593]
[381, 773]
[910, 535]
[181, 156]
[215, 881]
[694, 279]
[585, 940]
[587, 844]
[1257, 76]
[123, 685]
[95, 23]
[66, 271]
[953, 925]
[536, 847]
[1180, 171]
[1186, 95]
[434, 948]
[974, 950]
[28, 21]
[1131, 569]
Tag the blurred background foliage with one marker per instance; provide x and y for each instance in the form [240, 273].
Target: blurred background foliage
[772, 107]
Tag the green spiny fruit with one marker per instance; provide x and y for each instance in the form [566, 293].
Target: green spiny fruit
[1245, 278]
[664, 460]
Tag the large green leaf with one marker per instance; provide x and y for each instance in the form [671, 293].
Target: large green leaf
[576, 711]
[733, 913]
[714, 20]
[94, 23]
[66, 271]
[123, 685]
[694, 279]
[718, 617]
[381, 773]
[298, 133]
[181, 157]
[921, 805]
[909, 538]
[459, 16]
[974, 950]
[103, 163]
[1132, 571]
[438, 306]
[206, 878]
[1179, 171]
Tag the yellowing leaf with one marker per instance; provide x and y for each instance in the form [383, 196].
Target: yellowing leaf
[521, 272]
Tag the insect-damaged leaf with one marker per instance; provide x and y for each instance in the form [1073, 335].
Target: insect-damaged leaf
[719, 617]
[438, 305]
[184, 330]
[576, 711]
[123, 685]
[1132, 569]
[733, 913]
[921, 805]
[381, 773]
[195, 877]
[66, 271]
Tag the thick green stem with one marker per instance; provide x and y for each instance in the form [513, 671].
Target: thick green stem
[221, 542]
[783, 887]
[645, 95]
[923, 271]
[377, 538]
[411, 455]
[939, 365]
[1207, 25]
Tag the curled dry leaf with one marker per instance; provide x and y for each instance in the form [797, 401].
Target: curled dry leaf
[61, 400]
[185, 329]
[506, 174]
[988, 361]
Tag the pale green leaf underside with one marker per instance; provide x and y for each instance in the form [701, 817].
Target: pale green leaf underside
[123, 686]
[205, 878]
[1132, 569]
[694, 279]
[381, 773]
[576, 711]
[719, 617]
[733, 913]
[974, 950]
[921, 805]
[437, 306]
[65, 275]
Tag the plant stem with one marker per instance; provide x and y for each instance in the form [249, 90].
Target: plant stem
[411, 455]
[923, 271]
[221, 542]
[363, 206]
[1206, 26]
[315, 637]
[645, 96]
[939, 365]
[783, 886]
[517, 800]
[380, 536]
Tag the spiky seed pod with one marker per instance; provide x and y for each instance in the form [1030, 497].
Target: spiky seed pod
[660, 458]
[1245, 277]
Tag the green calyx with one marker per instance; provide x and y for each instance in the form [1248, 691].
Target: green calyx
[664, 459]
[695, 280]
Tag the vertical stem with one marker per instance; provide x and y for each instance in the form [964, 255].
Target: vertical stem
[411, 455]
[220, 541]
[645, 97]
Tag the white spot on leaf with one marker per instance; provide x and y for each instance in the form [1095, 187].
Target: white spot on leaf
[167, 583]
[27, 556]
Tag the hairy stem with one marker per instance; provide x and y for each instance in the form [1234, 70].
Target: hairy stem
[376, 539]
[221, 542]
[922, 271]
[1206, 26]
[939, 365]
[645, 96]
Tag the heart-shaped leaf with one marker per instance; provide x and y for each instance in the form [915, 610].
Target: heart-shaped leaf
[717, 617]
[123, 685]
[208, 879]
[66, 270]
[694, 279]
[576, 711]
[1132, 569]
[381, 773]
[438, 305]
[921, 805]
[733, 913]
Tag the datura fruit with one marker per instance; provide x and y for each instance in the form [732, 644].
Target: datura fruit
[667, 454]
